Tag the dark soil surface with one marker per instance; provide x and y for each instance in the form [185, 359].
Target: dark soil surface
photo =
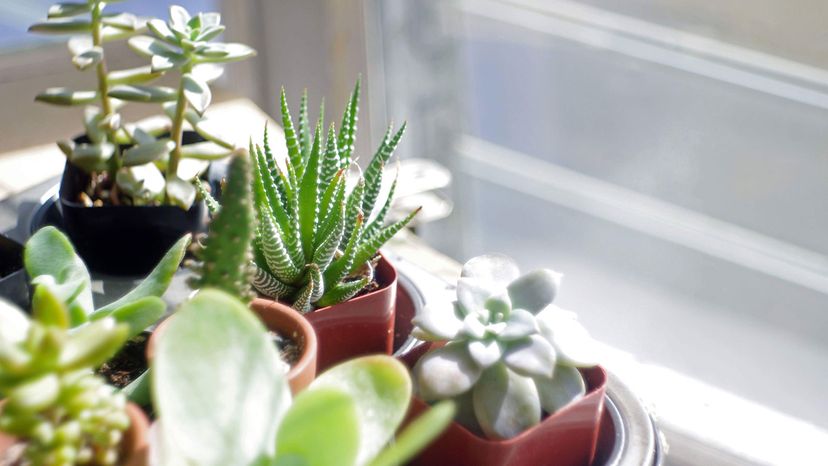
[128, 364]
[290, 350]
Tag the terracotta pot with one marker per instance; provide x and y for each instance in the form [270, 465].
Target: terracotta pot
[134, 446]
[100, 233]
[359, 326]
[281, 319]
[284, 320]
[566, 438]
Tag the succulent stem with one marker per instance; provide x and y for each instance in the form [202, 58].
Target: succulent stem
[177, 131]
[103, 86]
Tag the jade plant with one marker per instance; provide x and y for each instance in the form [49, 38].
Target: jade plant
[510, 354]
[225, 253]
[60, 411]
[145, 164]
[316, 241]
[51, 260]
[346, 417]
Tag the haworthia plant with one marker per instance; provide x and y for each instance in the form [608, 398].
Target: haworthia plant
[225, 254]
[143, 165]
[346, 417]
[62, 412]
[316, 241]
[510, 354]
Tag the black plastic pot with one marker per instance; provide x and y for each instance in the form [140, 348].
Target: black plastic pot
[13, 281]
[124, 240]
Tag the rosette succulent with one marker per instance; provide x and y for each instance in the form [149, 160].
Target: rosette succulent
[316, 242]
[62, 412]
[510, 354]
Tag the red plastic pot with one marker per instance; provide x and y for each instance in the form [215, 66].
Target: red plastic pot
[566, 438]
[362, 325]
[134, 446]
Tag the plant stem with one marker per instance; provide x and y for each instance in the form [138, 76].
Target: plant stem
[103, 87]
[177, 131]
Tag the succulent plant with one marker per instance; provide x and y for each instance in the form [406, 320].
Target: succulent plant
[511, 355]
[315, 242]
[225, 253]
[54, 403]
[148, 164]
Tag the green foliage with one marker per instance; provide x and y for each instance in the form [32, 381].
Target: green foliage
[143, 164]
[510, 353]
[344, 418]
[226, 253]
[51, 260]
[316, 243]
[63, 412]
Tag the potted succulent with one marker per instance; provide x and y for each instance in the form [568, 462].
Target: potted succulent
[519, 368]
[13, 286]
[126, 184]
[316, 246]
[56, 410]
[51, 260]
[224, 262]
[346, 417]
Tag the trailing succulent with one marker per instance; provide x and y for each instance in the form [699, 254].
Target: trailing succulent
[316, 243]
[510, 354]
[54, 403]
[225, 254]
[148, 164]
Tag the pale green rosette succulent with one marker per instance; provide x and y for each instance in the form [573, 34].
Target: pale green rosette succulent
[510, 354]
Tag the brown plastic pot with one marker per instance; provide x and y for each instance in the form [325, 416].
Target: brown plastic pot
[281, 319]
[134, 446]
[359, 326]
[566, 438]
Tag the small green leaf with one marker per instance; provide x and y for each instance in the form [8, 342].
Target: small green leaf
[61, 26]
[180, 192]
[532, 357]
[162, 31]
[163, 63]
[535, 290]
[92, 157]
[205, 151]
[140, 314]
[48, 309]
[143, 183]
[321, 427]
[93, 344]
[179, 17]
[446, 372]
[564, 388]
[125, 21]
[132, 76]
[145, 153]
[229, 52]
[505, 403]
[34, 395]
[197, 92]
[149, 46]
[139, 93]
[65, 96]
[64, 10]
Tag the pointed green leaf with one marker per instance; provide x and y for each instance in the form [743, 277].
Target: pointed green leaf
[373, 173]
[225, 53]
[61, 26]
[370, 246]
[139, 93]
[417, 435]
[93, 344]
[66, 9]
[88, 58]
[347, 130]
[145, 153]
[197, 92]
[309, 198]
[140, 314]
[65, 96]
[205, 151]
[132, 76]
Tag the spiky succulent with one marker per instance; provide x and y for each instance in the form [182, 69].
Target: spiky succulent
[54, 403]
[225, 254]
[510, 355]
[315, 242]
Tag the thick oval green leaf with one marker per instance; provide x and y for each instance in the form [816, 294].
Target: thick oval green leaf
[48, 309]
[139, 93]
[492, 271]
[574, 345]
[125, 21]
[437, 321]
[381, 388]
[143, 183]
[321, 428]
[34, 395]
[132, 76]
[205, 151]
[49, 252]
[555, 393]
[145, 153]
[531, 357]
[534, 290]
[505, 403]
[157, 282]
[61, 26]
[162, 31]
[179, 17]
[140, 314]
[149, 46]
[67, 9]
[180, 192]
[66, 96]
[92, 157]
[446, 372]
[218, 384]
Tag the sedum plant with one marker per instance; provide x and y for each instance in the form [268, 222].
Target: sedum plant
[510, 354]
[346, 417]
[62, 412]
[141, 164]
[225, 254]
[316, 241]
